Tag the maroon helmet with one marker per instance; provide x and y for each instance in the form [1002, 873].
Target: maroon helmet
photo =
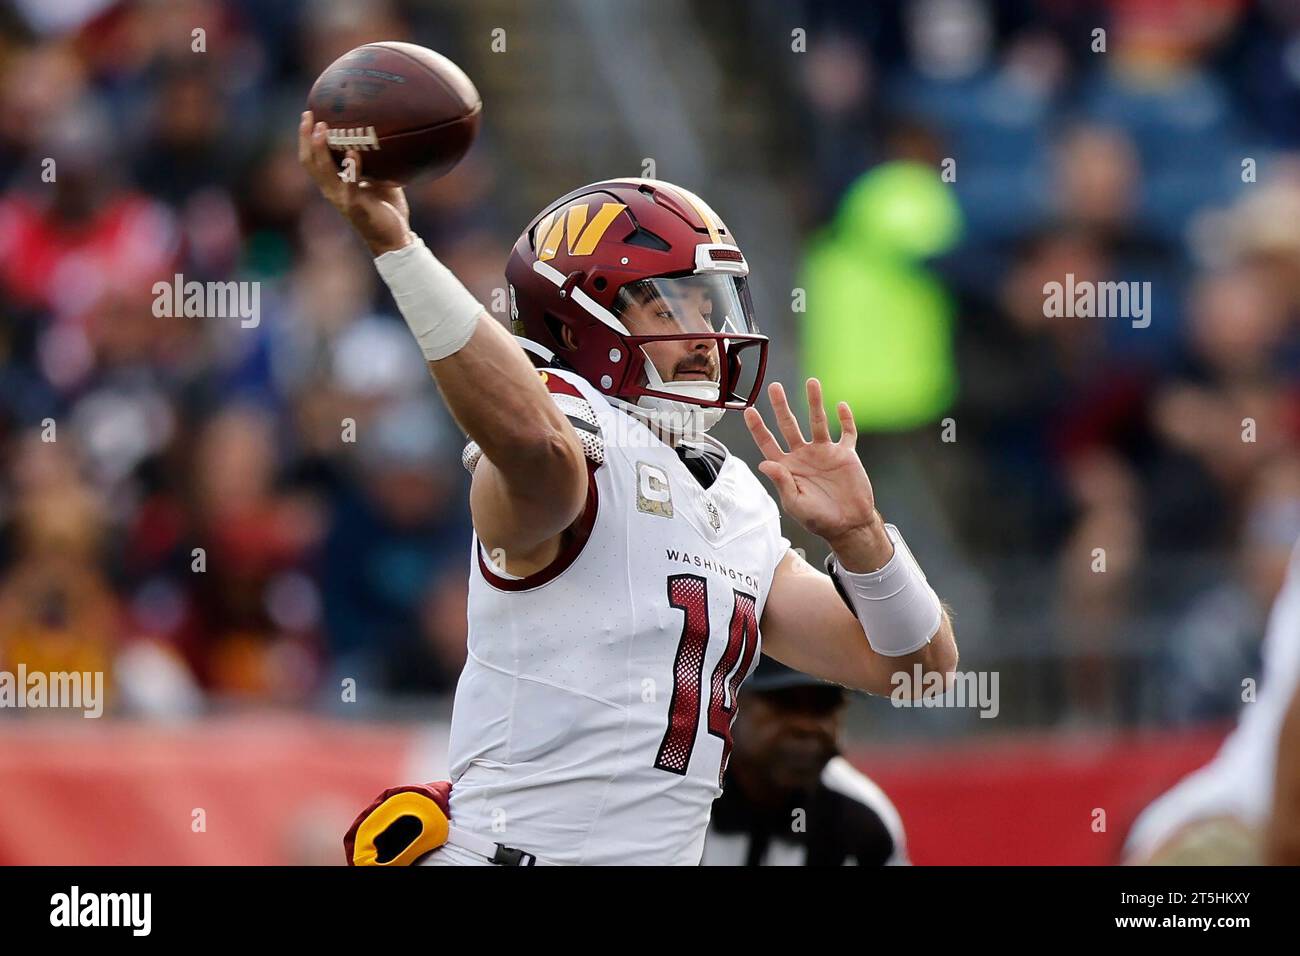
[646, 252]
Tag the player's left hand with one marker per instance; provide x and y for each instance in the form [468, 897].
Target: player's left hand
[822, 483]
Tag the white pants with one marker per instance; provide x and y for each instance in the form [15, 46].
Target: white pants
[448, 855]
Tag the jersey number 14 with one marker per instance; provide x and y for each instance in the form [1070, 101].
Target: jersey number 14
[690, 594]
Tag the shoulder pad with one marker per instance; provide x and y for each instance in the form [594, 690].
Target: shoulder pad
[580, 415]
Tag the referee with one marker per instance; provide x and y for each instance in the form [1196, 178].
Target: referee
[790, 799]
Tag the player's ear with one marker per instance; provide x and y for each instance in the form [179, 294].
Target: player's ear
[567, 337]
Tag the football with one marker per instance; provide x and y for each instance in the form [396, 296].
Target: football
[409, 112]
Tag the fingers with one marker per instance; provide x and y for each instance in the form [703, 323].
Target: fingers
[304, 139]
[314, 154]
[763, 438]
[817, 423]
[785, 419]
[322, 162]
[848, 427]
[307, 127]
[781, 477]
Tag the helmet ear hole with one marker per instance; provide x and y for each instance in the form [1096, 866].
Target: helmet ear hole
[561, 333]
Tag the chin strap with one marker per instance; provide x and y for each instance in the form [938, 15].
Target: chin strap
[676, 418]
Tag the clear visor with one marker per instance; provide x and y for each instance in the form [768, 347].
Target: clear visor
[699, 303]
[698, 336]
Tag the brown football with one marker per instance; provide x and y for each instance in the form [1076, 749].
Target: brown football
[407, 111]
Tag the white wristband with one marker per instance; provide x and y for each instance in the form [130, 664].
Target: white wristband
[439, 310]
[896, 605]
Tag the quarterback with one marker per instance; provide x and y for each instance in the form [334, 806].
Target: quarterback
[624, 563]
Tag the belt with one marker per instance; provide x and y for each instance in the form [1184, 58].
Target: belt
[498, 853]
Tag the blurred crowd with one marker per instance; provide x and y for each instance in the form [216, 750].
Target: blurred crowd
[215, 509]
[219, 512]
[1142, 476]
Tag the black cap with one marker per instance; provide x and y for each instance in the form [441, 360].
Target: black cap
[771, 674]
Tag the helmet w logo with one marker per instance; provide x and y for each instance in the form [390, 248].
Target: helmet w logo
[571, 227]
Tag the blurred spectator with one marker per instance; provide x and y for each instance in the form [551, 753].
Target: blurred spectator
[878, 326]
[66, 243]
[256, 612]
[393, 541]
[58, 612]
[790, 799]
[1216, 646]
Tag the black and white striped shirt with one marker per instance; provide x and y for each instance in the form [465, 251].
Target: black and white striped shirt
[845, 821]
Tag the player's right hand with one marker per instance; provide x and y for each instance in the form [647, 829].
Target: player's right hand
[377, 212]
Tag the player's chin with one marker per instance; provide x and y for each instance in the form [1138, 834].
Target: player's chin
[801, 777]
[800, 764]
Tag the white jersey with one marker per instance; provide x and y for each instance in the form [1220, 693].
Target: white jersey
[592, 721]
[1238, 782]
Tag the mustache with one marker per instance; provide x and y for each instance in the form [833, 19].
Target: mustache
[707, 365]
